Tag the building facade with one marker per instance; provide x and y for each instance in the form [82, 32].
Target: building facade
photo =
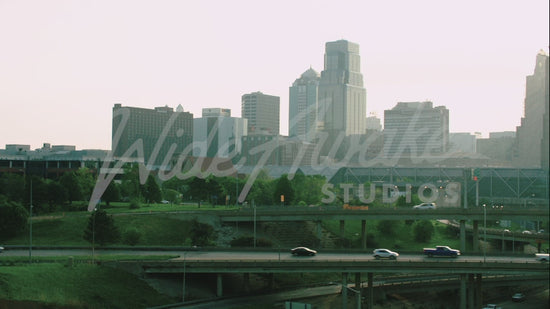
[151, 136]
[217, 134]
[342, 97]
[531, 148]
[416, 129]
[302, 107]
[262, 112]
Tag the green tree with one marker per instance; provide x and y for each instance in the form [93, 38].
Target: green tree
[13, 187]
[284, 188]
[197, 189]
[387, 227]
[111, 194]
[101, 228]
[57, 195]
[261, 192]
[308, 188]
[201, 233]
[214, 189]
[423, 231]
[86, 179]
[74, 190]
[171, 195]
[13, 218]
[40, 194]
[151, 190]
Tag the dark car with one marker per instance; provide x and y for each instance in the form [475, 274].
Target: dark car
[303, 251]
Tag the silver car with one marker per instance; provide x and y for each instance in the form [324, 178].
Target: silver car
[384, 254]
[425, 206]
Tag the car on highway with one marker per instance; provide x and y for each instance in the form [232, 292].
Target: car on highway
[303, 251]
[518, 297]
[492, 306]
[543, 257]
[425, 206]
[384, 254]
[1, 249]
[526, 232]
[441, 251]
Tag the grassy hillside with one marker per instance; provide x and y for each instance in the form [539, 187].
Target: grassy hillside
[54, 285]
[155, 230]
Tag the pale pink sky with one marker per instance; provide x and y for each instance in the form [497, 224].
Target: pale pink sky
[64, 64]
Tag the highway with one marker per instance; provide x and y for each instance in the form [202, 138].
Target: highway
[336, 256]
[265, 256]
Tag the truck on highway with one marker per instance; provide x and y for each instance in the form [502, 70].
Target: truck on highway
[441, 251]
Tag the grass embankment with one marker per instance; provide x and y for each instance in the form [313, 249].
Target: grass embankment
[401, 239]
[158, 230]
[54, 285]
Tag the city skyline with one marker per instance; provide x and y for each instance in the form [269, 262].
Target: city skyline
[65, 64]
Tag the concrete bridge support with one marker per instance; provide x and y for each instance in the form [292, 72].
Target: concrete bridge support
[246, 282]
[358, 281]
[344, 289]
[342, 232]
[476, 236]
[219, 286]
[471, 291]
[462, 235]
[463, 298]
[370, 291]
[319, 233]
[478, 288]
[364, 234]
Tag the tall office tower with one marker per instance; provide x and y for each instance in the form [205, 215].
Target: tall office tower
[302, 107]
[532, 135]
[217, 134]
[373, 124]
[416, 129]
[262, 112]
[342, 97]
[153, 131]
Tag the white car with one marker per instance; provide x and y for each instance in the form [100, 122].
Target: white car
[384, 254]
[1, 249]
[425, 206]
[543, 257]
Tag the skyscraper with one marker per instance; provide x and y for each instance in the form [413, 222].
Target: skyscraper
[415, 129]
[262, 112]
[148, 134]
[217, 134]
[342, 97]
[302, 107]
[532, 135]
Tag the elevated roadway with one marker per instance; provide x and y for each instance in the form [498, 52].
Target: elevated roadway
[283, 262]
[301, 213]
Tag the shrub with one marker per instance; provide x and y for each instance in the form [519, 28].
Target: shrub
[135, 204]
[423, 231]
[132, 236]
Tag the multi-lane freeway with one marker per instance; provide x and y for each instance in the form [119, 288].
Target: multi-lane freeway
[198, 255]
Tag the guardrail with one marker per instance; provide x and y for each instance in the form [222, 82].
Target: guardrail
[436, 266]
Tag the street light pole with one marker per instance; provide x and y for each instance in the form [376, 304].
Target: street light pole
[30, 224]
[254, 206]
[183, 291]
[93, 236]
[484, 232]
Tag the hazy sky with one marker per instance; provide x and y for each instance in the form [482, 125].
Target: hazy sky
[64, 64]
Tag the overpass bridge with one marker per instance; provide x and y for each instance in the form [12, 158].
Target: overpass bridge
[468, 272]
[457, 214]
